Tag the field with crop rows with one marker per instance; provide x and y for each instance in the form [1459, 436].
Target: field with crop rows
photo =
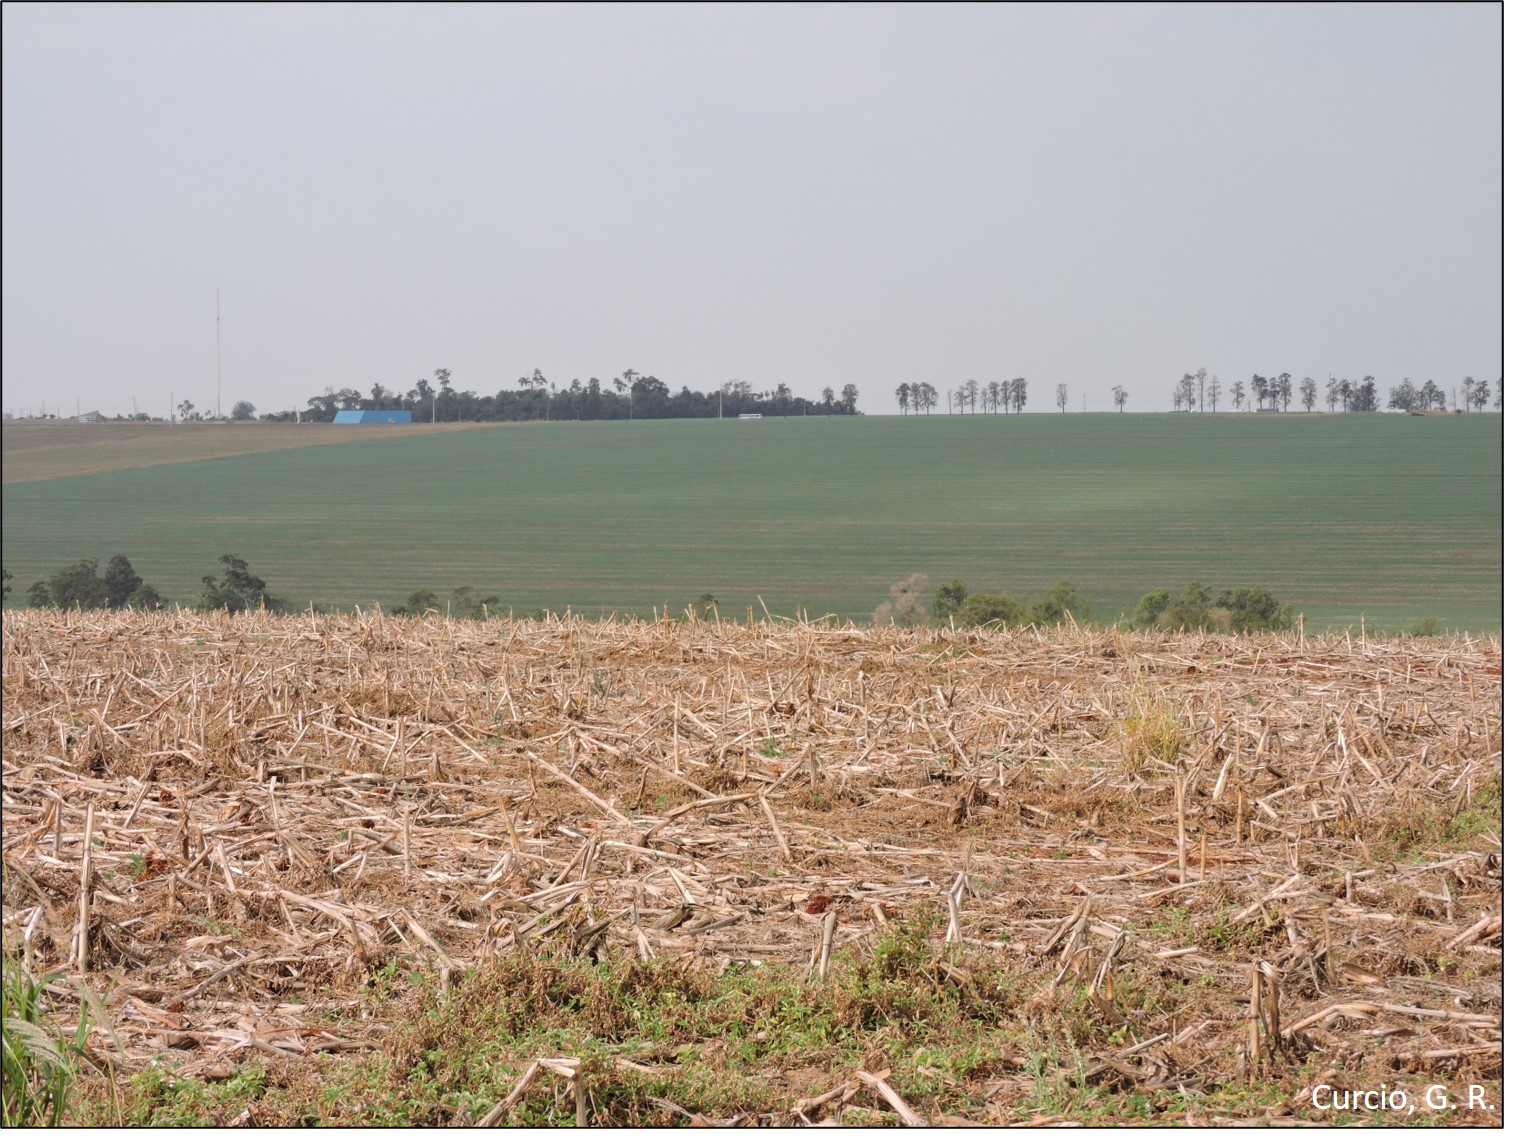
[343, 870]
[1391, 519]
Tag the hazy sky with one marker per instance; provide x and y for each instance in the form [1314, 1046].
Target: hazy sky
[810, 195]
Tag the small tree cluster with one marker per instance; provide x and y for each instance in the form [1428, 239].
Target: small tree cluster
[953, 603]
[464, 602]
[1352, 396]
[903, 607]
[83, 587]
[1242, 611]
[237, 591]
[419, 603]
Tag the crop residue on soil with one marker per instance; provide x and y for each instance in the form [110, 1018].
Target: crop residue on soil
[228, 824]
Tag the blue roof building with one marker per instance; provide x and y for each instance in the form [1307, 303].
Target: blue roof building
[390, 416]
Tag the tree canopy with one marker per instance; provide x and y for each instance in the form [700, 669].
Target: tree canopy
[237, 590]
[83, 587]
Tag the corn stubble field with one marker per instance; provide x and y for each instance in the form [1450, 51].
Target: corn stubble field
[383, 870]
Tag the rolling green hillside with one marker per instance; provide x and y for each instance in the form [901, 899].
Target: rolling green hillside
[1393, 517]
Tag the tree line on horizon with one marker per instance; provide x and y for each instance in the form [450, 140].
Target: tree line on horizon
[635, 397]
[632, 396]
[1200, 392]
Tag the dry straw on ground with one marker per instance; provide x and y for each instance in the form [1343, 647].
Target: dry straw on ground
[225, 824]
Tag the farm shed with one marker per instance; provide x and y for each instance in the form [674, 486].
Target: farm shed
[390, 416]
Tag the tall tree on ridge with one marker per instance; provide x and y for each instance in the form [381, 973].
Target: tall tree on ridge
[1260, 388]
[1188, 391]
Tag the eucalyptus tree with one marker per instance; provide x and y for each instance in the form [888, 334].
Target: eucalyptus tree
[1260, 388]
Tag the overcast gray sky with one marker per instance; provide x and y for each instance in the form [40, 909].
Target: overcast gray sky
[813, 195]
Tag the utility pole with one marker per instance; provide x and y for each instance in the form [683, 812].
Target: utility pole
[218, 325]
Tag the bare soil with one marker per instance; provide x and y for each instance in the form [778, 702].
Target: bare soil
[54, 449]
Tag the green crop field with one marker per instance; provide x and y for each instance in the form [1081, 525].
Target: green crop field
[1394, 518]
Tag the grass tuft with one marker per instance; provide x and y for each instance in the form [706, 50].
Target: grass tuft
[41, 1068]
[1150, 730]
